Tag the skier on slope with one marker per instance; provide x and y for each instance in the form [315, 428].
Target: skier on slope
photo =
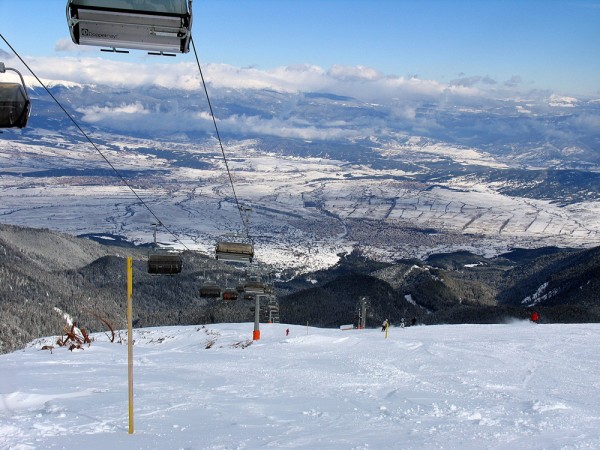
[384, 325]
[535, 317]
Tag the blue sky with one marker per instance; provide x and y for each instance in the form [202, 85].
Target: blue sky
[546, 44]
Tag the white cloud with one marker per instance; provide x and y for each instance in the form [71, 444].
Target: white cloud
[360, 82]
[467, 81]
[67, 45]
[354, 73]
[369, 103]
[288, 129]
[590, 122]
[97, 114]
[98, 71]
[513, 81]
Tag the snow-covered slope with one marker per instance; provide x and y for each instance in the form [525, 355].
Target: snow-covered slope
[513, 386]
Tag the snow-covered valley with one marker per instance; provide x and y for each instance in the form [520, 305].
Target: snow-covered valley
[305, 210]
[322, 172]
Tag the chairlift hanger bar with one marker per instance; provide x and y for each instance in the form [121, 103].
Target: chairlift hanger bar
[116, 50]
[16, 103]
[160, 54]
[113, 50]
[212, 114]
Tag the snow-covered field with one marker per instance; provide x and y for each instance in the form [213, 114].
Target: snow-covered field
[305, 210]
[512, 386]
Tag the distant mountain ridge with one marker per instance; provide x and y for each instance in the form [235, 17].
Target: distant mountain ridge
[44, 275]
[547, 135]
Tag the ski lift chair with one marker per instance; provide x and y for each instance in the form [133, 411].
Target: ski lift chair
[210, 290]
[230, 294]
[255, 286]
[269, 289]
[234, 252]
[159, 26]
[15, 105]
[164, 263]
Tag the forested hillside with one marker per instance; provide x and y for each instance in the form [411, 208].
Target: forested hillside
[46, 275]
[562, 284]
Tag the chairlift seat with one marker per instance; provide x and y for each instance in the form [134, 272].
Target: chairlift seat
[254, 287]
[234, 251]
[230, 294]
[152, 25]
[15, 105]
[210, 291]
[164, 263]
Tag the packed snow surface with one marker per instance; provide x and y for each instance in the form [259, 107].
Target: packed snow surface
[511, 386]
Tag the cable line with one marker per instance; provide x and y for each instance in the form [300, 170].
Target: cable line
[212, 114]
[94, 145]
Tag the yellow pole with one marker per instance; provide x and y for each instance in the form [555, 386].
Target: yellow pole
[387, 326]
[130, 338]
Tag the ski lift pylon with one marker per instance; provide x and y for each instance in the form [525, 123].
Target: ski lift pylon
[158, 26]
[15, 105]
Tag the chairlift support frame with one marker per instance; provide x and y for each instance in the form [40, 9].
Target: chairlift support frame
[235, 251]
[229, 293]
[162, 262]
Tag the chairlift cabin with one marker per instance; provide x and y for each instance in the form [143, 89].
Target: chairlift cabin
[234, 252]
[230, 294]
[15, 105]
[164, 263]
[210, 290]
[158, 26]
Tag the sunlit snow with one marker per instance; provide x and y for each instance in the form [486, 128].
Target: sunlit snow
[512, 386]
